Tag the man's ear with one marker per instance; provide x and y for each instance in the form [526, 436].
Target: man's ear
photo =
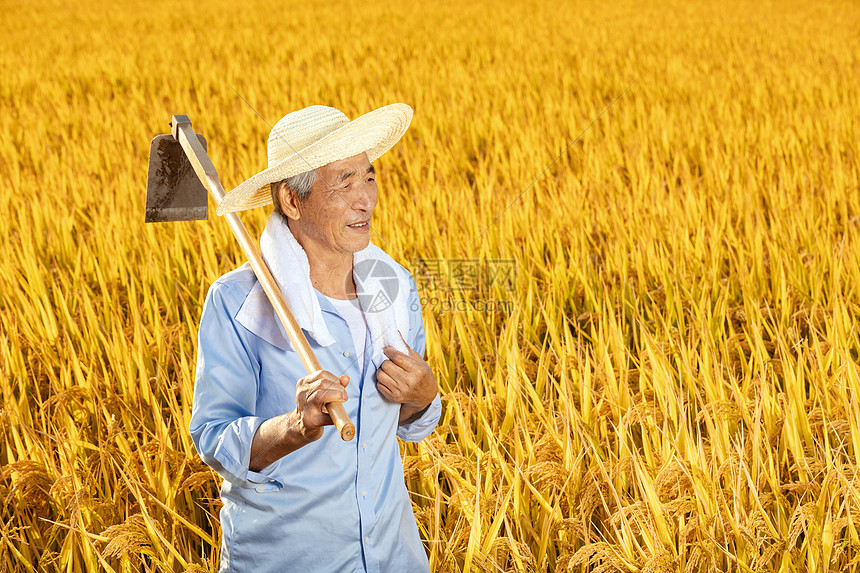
[289, 202]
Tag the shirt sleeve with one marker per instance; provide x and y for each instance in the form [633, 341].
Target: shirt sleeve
[419, 429]
[226, 380]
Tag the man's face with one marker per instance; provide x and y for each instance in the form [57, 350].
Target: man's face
[337, 213]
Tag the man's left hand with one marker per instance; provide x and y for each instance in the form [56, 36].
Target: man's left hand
[406, 379]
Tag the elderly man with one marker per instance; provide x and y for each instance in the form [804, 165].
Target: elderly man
[297, 497]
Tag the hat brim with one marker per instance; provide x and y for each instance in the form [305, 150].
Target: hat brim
[374, 132]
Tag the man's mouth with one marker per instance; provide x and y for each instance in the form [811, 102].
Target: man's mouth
[361, 226]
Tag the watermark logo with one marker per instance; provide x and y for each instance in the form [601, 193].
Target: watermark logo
[380, 285]
[463, 285]
[444, 285]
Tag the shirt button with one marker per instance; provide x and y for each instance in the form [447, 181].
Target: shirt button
[367, 540]
[346, 353]
[364, 493]
[364, 445]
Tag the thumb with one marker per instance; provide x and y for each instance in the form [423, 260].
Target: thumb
[406, 343]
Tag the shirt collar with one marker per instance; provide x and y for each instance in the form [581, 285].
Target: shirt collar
[258, 316]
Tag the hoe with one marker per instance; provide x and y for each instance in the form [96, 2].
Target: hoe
[180, 174]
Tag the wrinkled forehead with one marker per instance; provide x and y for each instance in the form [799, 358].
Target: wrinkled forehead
[344, 170]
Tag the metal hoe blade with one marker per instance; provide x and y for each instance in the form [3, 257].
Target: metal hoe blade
[173, 190]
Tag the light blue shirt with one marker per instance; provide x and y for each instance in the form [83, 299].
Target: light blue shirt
[331, 506]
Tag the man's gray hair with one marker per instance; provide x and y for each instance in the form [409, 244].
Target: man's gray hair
[299, 184]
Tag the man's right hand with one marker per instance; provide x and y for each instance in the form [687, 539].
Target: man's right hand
[313, 392]
[278, 436]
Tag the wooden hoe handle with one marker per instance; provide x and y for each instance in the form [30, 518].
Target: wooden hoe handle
[181, 129]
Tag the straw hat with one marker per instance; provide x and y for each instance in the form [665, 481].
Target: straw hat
[313, 137]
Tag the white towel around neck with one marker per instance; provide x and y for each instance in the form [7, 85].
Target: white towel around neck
[384, 305]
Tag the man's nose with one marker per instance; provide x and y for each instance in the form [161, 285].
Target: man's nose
[365, 199]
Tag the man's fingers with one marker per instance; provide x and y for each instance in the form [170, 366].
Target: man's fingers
[387, 386]
[324, 396]
[326, 392]
[327, 389]
[320, 375]
[394, 370]
[326, 379]
[402, 360]
[316, 390]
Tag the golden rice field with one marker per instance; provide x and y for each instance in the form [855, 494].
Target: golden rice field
[674, 383]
